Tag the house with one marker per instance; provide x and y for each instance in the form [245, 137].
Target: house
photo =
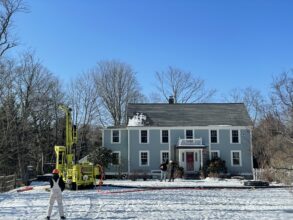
[190, 134]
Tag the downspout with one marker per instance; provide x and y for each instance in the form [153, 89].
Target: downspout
[170, 145]
[209, 143]
[128, 159]
[103, 143]
[251, 149]
[201, 159]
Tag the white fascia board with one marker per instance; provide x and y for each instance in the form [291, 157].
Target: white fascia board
[215, 127]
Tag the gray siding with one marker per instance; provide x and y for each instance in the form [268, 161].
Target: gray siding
[175, 135]
[204, 134]
[154, 147]
[122, 147]
[225, 148]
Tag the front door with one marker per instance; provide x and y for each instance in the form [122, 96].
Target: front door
[189, 161]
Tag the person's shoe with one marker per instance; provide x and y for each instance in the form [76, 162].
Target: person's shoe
[48, 218]
[63, 217]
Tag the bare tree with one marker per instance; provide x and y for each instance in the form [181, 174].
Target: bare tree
[8, 9]
[253, 100]
[29, 94]
[282, 97]
[35, 90]
[263, 122]
[264, 136]
[273, 134]
[183, 86]
[282, 101]
[8, 117]
[84, 100]
[117, 86]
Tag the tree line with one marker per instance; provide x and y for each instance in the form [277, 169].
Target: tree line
[31, 123]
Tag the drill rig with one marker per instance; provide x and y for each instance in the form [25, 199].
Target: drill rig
[74, 174]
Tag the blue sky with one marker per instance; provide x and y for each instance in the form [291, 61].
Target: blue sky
[229, 44]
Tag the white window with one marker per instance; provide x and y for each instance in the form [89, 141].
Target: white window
[143, 136]
[164, 156]
[143, 158]
[214, 136]
[115, 136]
[189, 134]
[236, 158]
[165, 136]
[116, 157]
[235, 136]
[215, 154]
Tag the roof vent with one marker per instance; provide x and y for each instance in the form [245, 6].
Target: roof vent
[171, 100]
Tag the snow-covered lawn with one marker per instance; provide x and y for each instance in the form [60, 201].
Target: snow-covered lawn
[170, 203]
[208, 182]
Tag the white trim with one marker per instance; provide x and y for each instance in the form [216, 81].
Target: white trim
[170, 153]
[148, 136]
[180, 157]
[148, 153]
[196, 156]
[161, 136]
[188, 130]
[239, 136]
[210, 148]
[218, 136]
[240, 158]
[103, 139]
[212, 127]
[217, 152]
[201, 159]
[161, 155]
[119, 157]
[118, 136]
[251, 148]
[210, 145]
[128, 159]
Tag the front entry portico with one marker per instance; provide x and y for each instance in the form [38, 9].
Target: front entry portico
[190, 154]
[190, 159]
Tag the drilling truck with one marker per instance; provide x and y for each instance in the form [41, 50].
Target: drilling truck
[75, 174]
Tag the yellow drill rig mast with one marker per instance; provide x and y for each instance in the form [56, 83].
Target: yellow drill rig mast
[74, 174]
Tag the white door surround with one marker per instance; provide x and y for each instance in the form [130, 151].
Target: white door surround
[190, 159]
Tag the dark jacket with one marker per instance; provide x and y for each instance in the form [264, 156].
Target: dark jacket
[61, 182]
[163, 166]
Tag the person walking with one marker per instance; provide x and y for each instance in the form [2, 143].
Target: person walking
[163, 168]
[172, 170]
[57, 186]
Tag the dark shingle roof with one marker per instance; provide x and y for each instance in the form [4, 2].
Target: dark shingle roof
[202, 114]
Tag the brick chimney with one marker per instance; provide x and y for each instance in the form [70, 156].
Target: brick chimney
[171, 100]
